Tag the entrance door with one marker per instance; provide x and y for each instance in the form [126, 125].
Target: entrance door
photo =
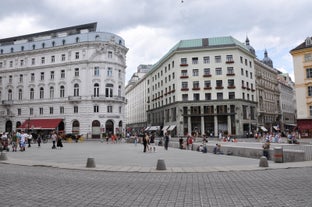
[96, 129]
[109, 126]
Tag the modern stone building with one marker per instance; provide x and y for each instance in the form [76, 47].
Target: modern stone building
[203, 86]
[70, 79]
[302, 60]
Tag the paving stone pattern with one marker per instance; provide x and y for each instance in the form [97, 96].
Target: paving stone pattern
[46, 186]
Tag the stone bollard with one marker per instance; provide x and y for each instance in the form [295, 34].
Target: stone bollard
[90, 163]
[263, 162]
[3, 156]
[161, 165]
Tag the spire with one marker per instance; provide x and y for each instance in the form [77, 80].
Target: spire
[266, 60]
[249, 47]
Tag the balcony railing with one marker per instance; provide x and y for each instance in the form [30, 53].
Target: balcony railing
[7, 102]
[74, 98]
[184, 76]
[183, 64]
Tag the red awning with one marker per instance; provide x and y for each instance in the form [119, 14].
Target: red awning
[304, 124]
[40, 124]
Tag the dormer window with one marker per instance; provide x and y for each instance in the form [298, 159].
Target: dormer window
[308, 41]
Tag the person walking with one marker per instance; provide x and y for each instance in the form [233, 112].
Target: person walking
[145, 142]
[39, 139]
[266, 149]
[166, 141]
[29, 139]
[59, 143]
[54, 137]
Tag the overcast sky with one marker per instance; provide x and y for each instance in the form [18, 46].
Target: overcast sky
[152, 27]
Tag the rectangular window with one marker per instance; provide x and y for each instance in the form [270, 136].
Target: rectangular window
[96, 71]
[96, 109]
[206, 71]
[19, 112]
[219, 83]
[218, 59]
[11, 64]
[62, 73]
[309, 90]
[195, 72]
[109, 72]
[109, 109]
[184, 97]
[42, 60]
[231, 83]
[195, 60]
[230, 70]
[61, 109]
[207, 84]
[310, 107]
[309, 72]
[206, 59]
[52, 75]
[183, 72]
[52, 59]
[77, 55]
[76, 72]
[110, 54]
[40, 110]
[42, 76]
[231, 95]
[33, 61]
[218, 71]
[308, 57]
[229, 59]
[184, 85]
[51, 110]
[219, 96]
[31, 111]
[32, 77]
[75, 109]
[10, 79]
[63, 57]
[195, 84]
[196, 97]
[207, 96]
[22, 62]
[183, 61]
[21, 78]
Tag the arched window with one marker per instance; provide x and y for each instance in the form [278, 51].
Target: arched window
[10, 95]
[51, 92]
[62, 91]
[32, 94]
[109, 90]
[20, 94]
[96, 90]
[119, 90]
[76, 89]
[41, 93]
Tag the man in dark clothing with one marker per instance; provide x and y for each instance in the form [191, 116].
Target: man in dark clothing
[181, 142]
[166, 141]
[144, 142]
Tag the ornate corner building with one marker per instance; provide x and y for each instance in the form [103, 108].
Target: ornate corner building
[69, 79]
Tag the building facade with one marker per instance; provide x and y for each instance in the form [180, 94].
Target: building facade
[75, 75]
[203, 86]
[136, 105]
[302, 60]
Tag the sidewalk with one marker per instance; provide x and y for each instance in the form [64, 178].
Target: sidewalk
[130, 158]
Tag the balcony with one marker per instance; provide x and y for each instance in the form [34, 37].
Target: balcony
[184, 76]
[229, 61]
[207, 88]
[196, 89]
[207, 75]
[231, 87]
[219, 87]
[183, 64]
[243, 87]
[184, 89]
[74, 98]
[230, 74]
[7, 102]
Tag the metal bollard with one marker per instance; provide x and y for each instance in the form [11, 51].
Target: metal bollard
[90, 163]
[161, 165]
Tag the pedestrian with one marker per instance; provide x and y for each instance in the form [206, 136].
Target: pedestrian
[152, 143]
[145, 142]
[54, 137]
[39, 139]
[29, 139]
[266, 149]
[59, 143]
[14, 142]
[166, 141]
[181, 142]
[22, 141]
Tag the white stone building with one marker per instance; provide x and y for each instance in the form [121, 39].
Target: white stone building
[203, 86]
[70, 79]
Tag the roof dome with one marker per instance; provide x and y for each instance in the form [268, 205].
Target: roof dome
[250, 48]
[266, 60]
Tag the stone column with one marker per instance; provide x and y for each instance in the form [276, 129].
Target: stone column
[216, 132]
[229, 126]
[202, 121]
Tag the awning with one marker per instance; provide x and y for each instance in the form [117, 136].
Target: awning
[165, 128]
[154, 128]
[263, 128]
[276, 128]
[40, 124]
[171, 127]
[147, 128]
